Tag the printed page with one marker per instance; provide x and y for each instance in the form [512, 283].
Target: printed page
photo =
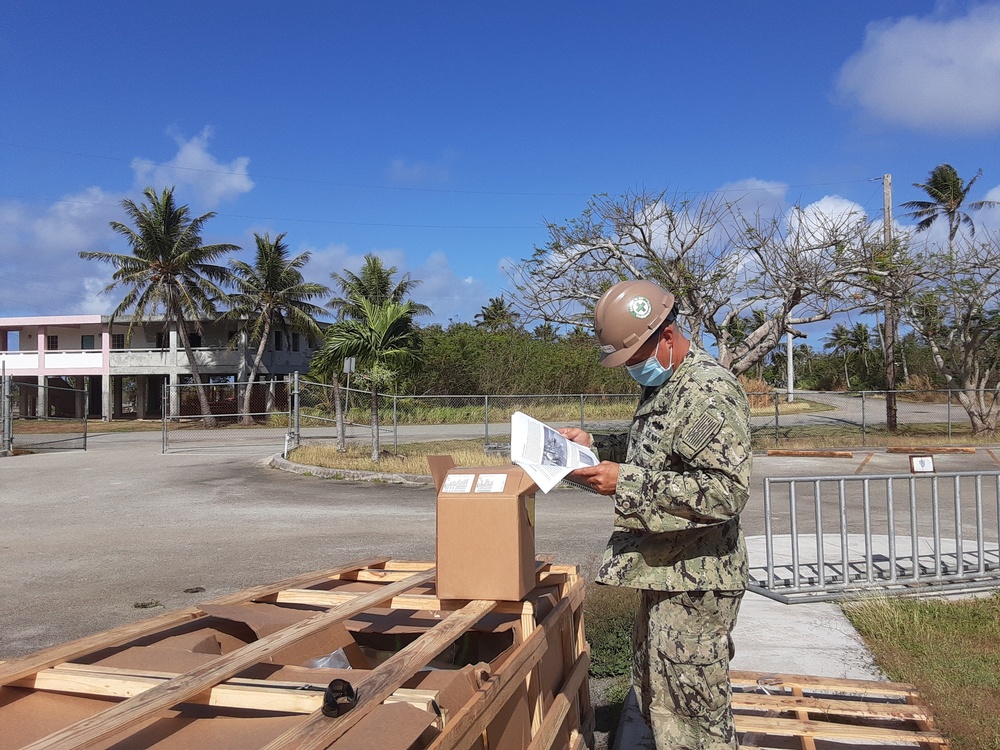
[543, 453]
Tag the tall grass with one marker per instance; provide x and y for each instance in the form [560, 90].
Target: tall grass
[609, 614]
[949, 649]
[412, 458]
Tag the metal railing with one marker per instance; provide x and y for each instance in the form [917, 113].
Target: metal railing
[831, 537]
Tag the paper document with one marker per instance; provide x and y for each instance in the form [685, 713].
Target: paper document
[543, 453]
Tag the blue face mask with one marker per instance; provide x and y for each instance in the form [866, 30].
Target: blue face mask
[651, 372]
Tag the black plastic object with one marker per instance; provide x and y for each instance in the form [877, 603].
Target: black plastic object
[339, 698]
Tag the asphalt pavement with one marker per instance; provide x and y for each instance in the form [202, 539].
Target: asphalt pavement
[92, 539]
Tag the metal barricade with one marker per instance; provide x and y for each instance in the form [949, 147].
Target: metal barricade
[832, 537]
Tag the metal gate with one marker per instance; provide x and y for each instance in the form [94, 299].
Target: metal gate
[833, 537]
[187, 426]
[42, 417]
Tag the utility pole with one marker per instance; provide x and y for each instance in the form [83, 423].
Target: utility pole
[790, 368]
[889, 326]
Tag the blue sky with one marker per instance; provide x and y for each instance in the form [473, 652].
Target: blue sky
[443, 135]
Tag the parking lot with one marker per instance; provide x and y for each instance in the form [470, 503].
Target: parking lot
[88, 536]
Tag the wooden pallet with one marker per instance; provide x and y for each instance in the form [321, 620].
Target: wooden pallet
[795, 711]
[533, 693]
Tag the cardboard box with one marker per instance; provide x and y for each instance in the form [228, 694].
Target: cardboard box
[485, 531]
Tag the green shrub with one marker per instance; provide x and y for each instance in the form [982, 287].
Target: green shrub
[609, 614]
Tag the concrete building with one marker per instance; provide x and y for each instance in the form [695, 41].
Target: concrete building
[126, 376]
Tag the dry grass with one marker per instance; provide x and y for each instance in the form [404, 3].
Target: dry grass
[950, 650]
[412, 458]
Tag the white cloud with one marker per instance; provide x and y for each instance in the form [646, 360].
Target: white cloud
[197, 171]
[39, 260]
[752, 196]
[40, 244]
[450, 297]
[402, 172]
[817, 220]
[929, 73]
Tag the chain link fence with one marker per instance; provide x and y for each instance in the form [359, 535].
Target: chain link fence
[846, 419]
[226, 423]
[796, 420]
[42, 417]
[286, 413]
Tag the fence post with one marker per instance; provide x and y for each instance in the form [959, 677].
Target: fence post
[395, 430]
[486, 418]
[864, 422]
[6, 422]
[581, 412]
[86, 410]
[164, 403]
[949, 415]
[774, 396]
[296, 433]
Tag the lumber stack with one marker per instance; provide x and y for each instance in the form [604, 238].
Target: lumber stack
[361, 656]
[782, 711]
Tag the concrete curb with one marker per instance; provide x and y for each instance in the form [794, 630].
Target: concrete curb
[277, 461]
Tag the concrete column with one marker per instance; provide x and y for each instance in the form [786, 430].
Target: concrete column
[42, 404]
[141, 396]
[172, 383]
[116, 395]
[27, 400]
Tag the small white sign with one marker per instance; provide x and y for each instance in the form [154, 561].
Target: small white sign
[491, 482]
[458, 483]
[922, 464]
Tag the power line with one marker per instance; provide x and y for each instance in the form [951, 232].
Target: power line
[364, 186]
[77, 202]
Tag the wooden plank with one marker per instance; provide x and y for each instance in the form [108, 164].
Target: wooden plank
[373, 575]
[821, 730]
[807, 743]
[414, 565]
[137, 710]
[561, 705]
[744, 679]
[476, 715]
[809, 453]
[114, 682]
[319, 731]
[15, 669]
[425, 700]
[417, 602]
[471, 721]
[830, 706]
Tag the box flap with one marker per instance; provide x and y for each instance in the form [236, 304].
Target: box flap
[439, 468]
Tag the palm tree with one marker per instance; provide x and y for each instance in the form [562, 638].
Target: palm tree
[383, 341]
[169, 270]
[375, 283]
[271, 293]
[840, 342]
[947, 192]
[497, 315]
[861, 342]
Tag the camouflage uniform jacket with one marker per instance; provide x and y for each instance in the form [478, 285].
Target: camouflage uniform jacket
[684, 478]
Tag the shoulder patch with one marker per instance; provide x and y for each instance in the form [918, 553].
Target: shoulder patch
[696, 437]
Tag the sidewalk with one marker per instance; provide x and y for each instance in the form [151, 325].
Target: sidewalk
[807, 639]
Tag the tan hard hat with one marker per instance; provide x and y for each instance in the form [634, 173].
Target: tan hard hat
[628, 314]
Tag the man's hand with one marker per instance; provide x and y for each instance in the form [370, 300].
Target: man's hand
[602, 478]
[576, 435]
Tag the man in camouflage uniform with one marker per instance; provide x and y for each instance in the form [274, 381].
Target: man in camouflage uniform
[679, 477]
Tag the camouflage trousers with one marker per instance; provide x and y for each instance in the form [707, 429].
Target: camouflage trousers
[680, 671]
